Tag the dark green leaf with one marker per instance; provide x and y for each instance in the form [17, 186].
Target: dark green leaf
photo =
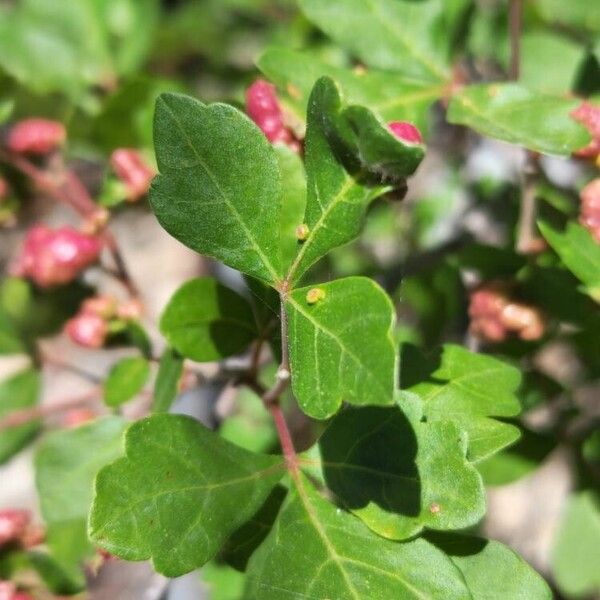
[316, 550]
[206, 321]
[395, 35]
[399, 474]
[177, 495]
[512, 113]
[579, 252]
[167, 380]
[341, 347]
[491, 569]
[219, 190]
[125, 380]
[18, 392]
[468, 388]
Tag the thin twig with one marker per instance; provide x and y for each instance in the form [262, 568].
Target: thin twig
[527, 238]
[26, 415]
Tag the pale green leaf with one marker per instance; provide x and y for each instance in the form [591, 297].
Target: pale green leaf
[207, 321]
[579, 252]
[125, 380]
[511, 113]
[18, 392]
[395, 35]
[341, 347]
[399, 474]
[470, 389]
[576, 553]
[392, 96]
[178, 493]
[318, 551]
[219, 188]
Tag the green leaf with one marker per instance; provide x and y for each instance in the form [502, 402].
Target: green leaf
[392, 96]
[467, 388]
[349, 152]
[18, 392]
[293, 180]
[125, 380]
[511, 113]
[399, 474]
[178, 493]
[166, 385]
[575, 13]
[207, 321]
[65, 466]
[395, 35]
[491, 569]
[316, 550]
[579, 252]
[219, 190]
[223, 582]
[341, 347]
[577, 546]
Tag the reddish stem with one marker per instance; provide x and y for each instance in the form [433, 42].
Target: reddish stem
[285, 438]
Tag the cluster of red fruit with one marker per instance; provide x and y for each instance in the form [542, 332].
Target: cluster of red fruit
[589, 215]
[92, 324]
[495, 316]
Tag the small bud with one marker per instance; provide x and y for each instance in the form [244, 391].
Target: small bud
[52, 257]
[87, 330]
[34, 536]
[315, 295]
[435, 508]
[589, 215]
[302, 232]
[78, 416]
[131, 168]
[96, 222]
[131, 310]
[13, 523]
[102, 306]
[283, 374]
[36, 136]
[406, 132]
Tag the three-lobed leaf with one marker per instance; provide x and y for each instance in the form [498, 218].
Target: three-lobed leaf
[177, 494]
[219, 188]
[205, 321]
[341, 347]
[469, 389]
[399, 474]
[316, 550]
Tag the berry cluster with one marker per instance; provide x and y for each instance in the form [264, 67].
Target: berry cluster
[495, 316]
[589, 215]
[262, 106]
[92, 324]
[55, 256]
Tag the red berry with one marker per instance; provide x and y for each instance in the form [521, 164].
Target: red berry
[36, 136]
[131, 168]
[22, 596]
[263, 108]
[406, 132]
[87, 329]
[13, 523]
[7, 590]
[51, 257]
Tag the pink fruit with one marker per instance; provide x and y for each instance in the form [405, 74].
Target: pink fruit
[589, 215]
[406, 132]
[589, 116]
[13, 523]
[7, 590]
[87, 329]
[52, 257]
[102, 306]
[131, 168]
[36, 136]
